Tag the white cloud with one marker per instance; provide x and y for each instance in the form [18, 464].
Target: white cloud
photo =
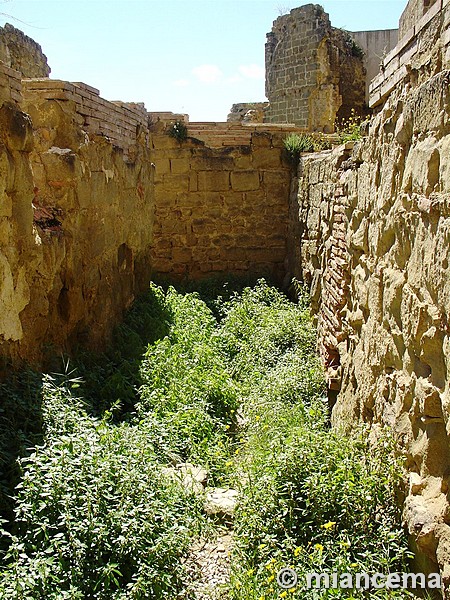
[234, 79]
[181, 82]
[252, 71]
[207, 73]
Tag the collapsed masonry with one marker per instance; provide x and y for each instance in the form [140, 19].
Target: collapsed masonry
[95, 197]
[316, 73]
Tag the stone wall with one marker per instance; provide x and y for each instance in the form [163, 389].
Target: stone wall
[21, 53]
[76, 215]
[97, 197]
[410, 62]
[252, 112]
[376, 45]
[10, 85]
[314, 73]
[372, 241]
[414, 11]
[221, 209]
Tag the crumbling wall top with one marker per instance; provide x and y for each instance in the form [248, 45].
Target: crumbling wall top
[312, 71]
[22, 53]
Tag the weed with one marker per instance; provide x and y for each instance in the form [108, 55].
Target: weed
[97, 516]
[349, 129]
[295, 144]
[178, 130]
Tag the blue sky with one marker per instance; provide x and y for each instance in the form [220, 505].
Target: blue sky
[190, 56]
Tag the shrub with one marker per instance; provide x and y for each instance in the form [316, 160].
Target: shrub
[178, 130]
[95, 515]
[310, 497]
[186, 384]
[315, 500]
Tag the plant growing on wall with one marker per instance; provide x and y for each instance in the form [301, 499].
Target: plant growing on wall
[296, 143]
[178, 130]
[349, 129]
[354, 48]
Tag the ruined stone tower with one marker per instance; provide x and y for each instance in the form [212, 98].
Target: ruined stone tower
[314, 72]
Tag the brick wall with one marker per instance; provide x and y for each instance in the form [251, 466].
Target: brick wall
[320, 253]
[121, 122]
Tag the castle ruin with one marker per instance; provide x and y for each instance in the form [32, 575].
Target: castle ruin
[96, 197]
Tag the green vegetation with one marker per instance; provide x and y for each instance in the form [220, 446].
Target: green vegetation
[230, 382]
[354, 48]
[178, 130]
[296, 143]
[317, 502]
[349, 129]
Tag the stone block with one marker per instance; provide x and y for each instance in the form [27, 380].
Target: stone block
[164, 198]
[193, 200]
[175, 226]
[162, 167]
[182, 255]
[176, 183]
[266, 158]
[261, 139]
[243, 161]
[244, 181]
[179, 165]
[219, 266]
[202, 226]
[163, 142]
[213, 181]
[202, 161]
[193, 182]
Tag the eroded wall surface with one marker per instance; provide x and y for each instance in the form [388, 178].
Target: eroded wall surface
[76, 215]
[373, 243]
[314, 72]
[95, 197]
[21, 53]
[414, 11]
